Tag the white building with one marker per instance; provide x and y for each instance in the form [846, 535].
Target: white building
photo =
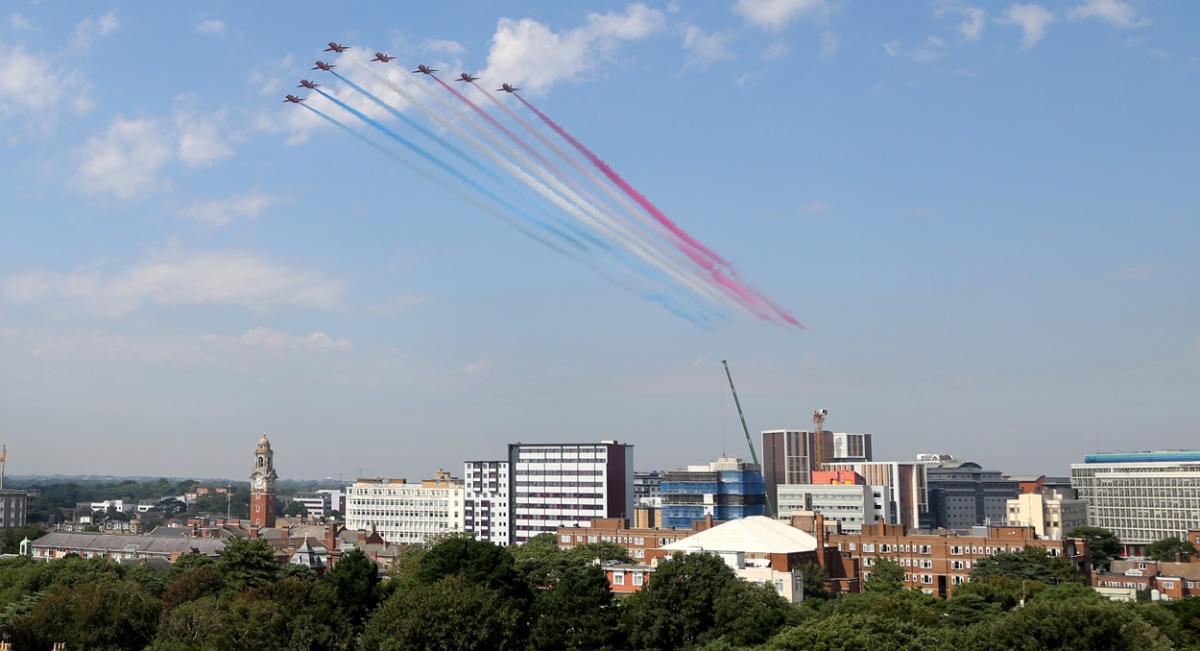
[486, 500]
[1142, 497]
[758, 549]
[905, 488]
[556, 485]
[850, 505]
[119, 505]
[406, 513]
[1051, 514]
[317, 505]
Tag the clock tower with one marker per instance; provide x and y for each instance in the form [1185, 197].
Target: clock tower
[262, 485]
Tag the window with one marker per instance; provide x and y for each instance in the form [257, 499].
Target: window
[926, 579]
[618, 578]
[926, 563]
[868, 547]
[565, 538]
[955, 549]
[925, 549]
[957, 565]
[852, 546]
[637, 578]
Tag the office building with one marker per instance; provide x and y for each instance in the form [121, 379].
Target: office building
[647, 488]
[791, 455]
[323, 503]
[726, 489]
[406, 513]
[962, 494]
[1051, 513]
[905, 494]
[14, 506]
[841, 496]
[486, 500]
[850, 446]
[554, 485]
[1142, 497]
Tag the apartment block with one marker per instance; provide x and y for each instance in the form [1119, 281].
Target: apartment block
[14, 505]
[647, 488]
[1051, 513]
[905, 490]
[406, 513]
[725, 489]
[486, 501]
[637, 540]
[556, 485]
[841, 496]
[1165, 581]
[962, 494]
[1141, 496]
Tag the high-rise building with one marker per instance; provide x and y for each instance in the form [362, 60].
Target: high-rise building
[841, 496]
[486, 500]
[13, 508]
[1051, 513]
[791, 455]
[726, 489]
[647, 488]
[406, 513]
[963, 495]
[1142, 497]
[262, 485]
[904, 488]
[556, 485]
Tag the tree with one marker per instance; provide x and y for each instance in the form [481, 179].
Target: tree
[695, 598]
[10, 539]
[191, 585]
[295, 509]
[840, 632]
[604, 551]
[1069, 625]
[814, 582]
[246, 563]
[1103, 545]
[1171, 549]
[191, 561]
[1030, 564]
[886, 576]
[450, 615]
[110, 615]
[477, 561]
[577, 613]
[353, 579]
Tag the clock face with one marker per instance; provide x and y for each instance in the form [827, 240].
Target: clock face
[259, 483]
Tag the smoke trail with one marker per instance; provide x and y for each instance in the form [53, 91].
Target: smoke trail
[656, 266]
[756, 301]
[446, 167]
[699, 320]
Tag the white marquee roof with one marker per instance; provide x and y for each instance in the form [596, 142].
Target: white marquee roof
[756, 534]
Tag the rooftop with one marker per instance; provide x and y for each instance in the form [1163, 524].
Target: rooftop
[755, 534]
[1143, 457]
[164, 545]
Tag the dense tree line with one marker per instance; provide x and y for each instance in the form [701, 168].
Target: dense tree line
[459, 593]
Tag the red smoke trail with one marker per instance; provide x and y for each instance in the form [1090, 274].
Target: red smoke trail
[708, 260]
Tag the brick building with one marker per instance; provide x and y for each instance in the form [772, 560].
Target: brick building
[639, 541]
[1172, 581]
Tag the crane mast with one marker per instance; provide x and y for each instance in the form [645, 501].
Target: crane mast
[746, 430]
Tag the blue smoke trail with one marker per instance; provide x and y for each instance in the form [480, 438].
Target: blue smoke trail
[451, 170]
[446, 186]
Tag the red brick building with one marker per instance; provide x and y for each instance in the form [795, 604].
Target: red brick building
[639, 541]
[1173, 581]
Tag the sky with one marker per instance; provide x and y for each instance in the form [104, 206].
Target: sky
[986, 216]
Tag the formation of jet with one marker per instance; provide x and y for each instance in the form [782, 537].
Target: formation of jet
[293, 99]
[382, 58]
[508, 88]
[335, 47]
[467, 78]
[304, 83]
[321, 65]
[425, 70]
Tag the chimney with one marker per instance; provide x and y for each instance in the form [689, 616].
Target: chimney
[820, 536]
[331, 532]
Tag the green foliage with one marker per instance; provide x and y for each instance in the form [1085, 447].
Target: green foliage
[577, 613]
[1030, 564]
[1069, 625]
[695, 598]
[295, 509]
[200, 581]
[451, 614]
[886, 576]
[1103, 545]
[353, 579]
[840, 632]
[190, 561]
[970, 609]
[102, 616]
[901, 605]
[1171, 549]
[604, 551]
[246, 563]
[477, 561]
[814, 583]
[1001, 590]
[10, 539]
[1187, 614]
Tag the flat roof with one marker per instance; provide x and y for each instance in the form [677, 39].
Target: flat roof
[1148, 456]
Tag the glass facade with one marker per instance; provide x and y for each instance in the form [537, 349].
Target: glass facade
[727, 489]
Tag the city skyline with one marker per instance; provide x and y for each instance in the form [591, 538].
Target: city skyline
[985, 218]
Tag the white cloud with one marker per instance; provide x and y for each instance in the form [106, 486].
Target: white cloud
[92, 27]
[30, 88]
[200, 139]
[892, 48]
[271, 80]
[1114, 12]
[126, 160]
[776, 50]
[477, 367]
[829, 43]
[278, 340]
[529, 54]
[814, 207]
[1032, 19]
[973, 19]
[180, 278]
[443, 46]
[19, 22]
[211, 27]
[704, 48]
[774, 15]
[219, 212]
[930, 50]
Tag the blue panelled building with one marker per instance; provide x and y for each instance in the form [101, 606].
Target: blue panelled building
[726, 489]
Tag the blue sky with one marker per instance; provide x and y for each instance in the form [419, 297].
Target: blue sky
[986, 215]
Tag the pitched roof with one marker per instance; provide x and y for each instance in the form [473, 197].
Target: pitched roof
[756, 534]
[163, 545]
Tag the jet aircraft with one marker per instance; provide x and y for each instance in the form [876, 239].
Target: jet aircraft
[321, 65]
[425, 70]
[467, 78]
[382, 58]
[304, 83]
[293, 99]
[335, 47]
[508, 88]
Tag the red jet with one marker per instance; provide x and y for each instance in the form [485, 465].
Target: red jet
[304, 83]
[508, 88]
[293, 99]
[335, 47]
[321, 65]
[425, 70]
[382, 58]
[467, 78]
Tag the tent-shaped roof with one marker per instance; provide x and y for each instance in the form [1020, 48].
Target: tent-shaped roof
[752, 535]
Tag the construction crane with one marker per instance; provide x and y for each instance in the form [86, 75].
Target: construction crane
[746, 430]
